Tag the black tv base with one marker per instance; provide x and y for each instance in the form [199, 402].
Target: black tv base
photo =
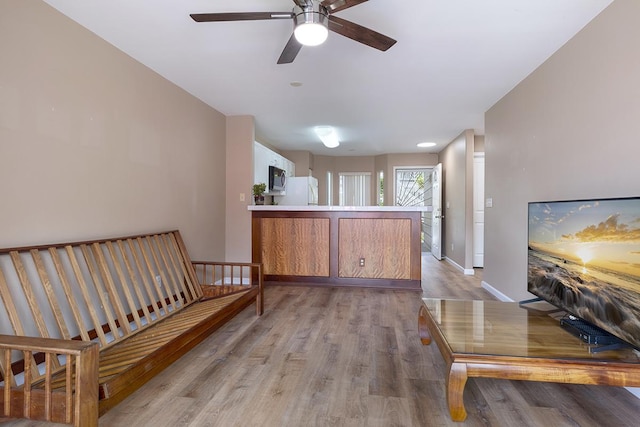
[525, 304]
[591, 334]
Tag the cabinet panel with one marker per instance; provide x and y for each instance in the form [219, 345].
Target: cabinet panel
[295, 246]
[385, 245]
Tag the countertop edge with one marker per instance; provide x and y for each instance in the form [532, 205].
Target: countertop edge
[313, 208]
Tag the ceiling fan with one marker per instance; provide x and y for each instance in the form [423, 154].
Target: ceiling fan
[311, 18]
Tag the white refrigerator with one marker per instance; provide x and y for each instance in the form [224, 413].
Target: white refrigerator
[299, 191]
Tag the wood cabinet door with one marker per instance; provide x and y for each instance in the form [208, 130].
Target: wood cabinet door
[375, 248]
[295, 246]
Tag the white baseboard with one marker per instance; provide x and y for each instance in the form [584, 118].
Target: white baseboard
[465, 271]
[496, 293]
[228, 280]
[634, 390]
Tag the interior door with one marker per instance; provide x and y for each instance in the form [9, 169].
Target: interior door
[436, 214]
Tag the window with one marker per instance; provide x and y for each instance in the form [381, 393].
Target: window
[355, 189]
[381, 188]
[329, 188]
[413, 187]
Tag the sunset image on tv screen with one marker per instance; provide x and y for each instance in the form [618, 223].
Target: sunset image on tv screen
[584, 256]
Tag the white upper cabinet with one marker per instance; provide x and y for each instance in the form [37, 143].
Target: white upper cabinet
[263, 158]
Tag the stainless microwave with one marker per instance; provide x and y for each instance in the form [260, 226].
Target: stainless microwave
[277, 179]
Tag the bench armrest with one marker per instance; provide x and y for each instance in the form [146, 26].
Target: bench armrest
[31, 394]
[218, 278]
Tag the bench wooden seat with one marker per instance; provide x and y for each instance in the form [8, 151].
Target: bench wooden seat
[139, 300]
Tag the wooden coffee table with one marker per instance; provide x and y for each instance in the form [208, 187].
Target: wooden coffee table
[494, 339]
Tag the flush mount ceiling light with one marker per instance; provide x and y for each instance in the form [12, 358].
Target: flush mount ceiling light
[426, 144]
[310, 24]
[327, 135]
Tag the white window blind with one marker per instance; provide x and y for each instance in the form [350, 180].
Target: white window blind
[355, 189]
[329, 188]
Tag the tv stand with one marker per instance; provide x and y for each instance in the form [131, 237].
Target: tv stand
[530, 301]
[493, 339]
[525, 304]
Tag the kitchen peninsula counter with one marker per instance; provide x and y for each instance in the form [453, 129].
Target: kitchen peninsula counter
[366, 246]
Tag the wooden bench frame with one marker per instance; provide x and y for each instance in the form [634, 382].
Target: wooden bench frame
[85, 324]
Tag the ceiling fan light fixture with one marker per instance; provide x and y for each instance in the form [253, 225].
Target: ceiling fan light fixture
[327, 135]
[310, 24]
[311, 34]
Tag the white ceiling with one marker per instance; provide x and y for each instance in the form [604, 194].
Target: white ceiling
[453, 60]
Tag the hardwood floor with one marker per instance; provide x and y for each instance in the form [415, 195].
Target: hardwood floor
[349, 357]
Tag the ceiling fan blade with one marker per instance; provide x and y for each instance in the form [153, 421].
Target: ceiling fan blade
[360, 34]
[302, 3]
[239, 16]
[290, 51]
[338, 5]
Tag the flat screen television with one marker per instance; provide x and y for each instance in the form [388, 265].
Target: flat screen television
[277, 179]
[584, 257]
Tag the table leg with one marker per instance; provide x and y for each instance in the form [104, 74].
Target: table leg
[423, 329]
[455, 389]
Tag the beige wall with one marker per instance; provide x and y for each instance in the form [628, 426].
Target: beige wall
[302, 159]
[94, 144]
[457, 200]
[568, 131]
[371, 164]
[324, 164]
[240, 139]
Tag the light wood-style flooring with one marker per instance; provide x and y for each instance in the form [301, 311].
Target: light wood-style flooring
[349, 357]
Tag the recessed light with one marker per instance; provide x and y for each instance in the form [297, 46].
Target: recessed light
[296, 84]
[426, 144]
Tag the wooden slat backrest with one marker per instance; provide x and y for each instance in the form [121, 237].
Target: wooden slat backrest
[163, 275]
[154, 279]
[180, 264]
[86, 297]
[102, 290]
[185, 262]
[112, 292]
[51, 296]
[27, 289]
[131, 248]
[14, 320]
[10, 308]
[66, 286]
[136, 284]
[99, 290]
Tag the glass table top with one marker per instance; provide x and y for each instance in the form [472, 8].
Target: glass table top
[475, 327]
